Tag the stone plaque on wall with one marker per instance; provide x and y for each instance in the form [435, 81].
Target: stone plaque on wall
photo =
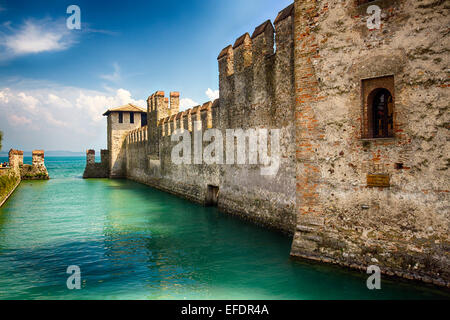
[378, 180]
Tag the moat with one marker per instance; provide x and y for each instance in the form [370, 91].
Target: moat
[135, 242]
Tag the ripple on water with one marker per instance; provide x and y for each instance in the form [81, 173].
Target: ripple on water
[134, 242]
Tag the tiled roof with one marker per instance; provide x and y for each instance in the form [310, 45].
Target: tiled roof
[127, 108]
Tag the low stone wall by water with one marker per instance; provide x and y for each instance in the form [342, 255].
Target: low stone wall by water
[9, 180]
[17, 171]
[36, 171]
[96, 169]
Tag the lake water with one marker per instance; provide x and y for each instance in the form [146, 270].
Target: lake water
[134, 242]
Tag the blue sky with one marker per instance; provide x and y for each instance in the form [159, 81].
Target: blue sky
[55, 82]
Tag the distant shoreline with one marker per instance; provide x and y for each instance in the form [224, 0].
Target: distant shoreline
[50, 154]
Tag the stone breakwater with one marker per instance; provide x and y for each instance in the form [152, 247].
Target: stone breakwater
[37, 170]
[17, 171]
[9, 180]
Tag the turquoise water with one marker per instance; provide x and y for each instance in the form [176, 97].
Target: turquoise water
[133, 242]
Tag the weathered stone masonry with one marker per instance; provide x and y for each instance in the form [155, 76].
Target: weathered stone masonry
[97, 169]
[256, 91]
[35, 171]
[11, 176]
[364, 120]
[402, 228]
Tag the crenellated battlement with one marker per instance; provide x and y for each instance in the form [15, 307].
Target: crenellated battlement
[332, 184]
[15, 159]
[252, 50]
[96, 169]
[185, 119]
[139, 135]
[35, 171]
[161, 106]
[256, 81]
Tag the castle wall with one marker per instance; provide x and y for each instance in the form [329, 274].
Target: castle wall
[256, 91]
[402, 228]
[137, 154]
[156, 169]
[37, 157]
[96, 169]
[10, 177]
[37, 170]
[15, 159]
[348, 196]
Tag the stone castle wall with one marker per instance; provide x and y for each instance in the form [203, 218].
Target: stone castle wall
[15, 158]
[37, 170]
[96, 169]
[256, 91]
[11, 176]
[348, 197]
[402, 228]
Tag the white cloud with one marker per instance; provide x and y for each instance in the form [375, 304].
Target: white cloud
[36, 36]
[29, 102]
[96, 105]
[3, 97]
[115, 76]
[187, 103]
[58, 102]
[57, 117]
[17, 120]
[212, 94]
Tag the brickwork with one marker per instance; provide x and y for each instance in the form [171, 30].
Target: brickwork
[348, 195]
[339, 62]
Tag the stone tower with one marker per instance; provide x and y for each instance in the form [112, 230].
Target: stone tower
[158, 108]
[120, 121]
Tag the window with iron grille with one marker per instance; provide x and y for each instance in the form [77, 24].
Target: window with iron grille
[377, 108]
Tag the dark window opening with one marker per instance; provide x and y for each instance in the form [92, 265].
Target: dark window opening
[120, 117]
[143, 119]
[382, 121]
[212, 195]
[131, 117]
[378, 104]
[399, 166]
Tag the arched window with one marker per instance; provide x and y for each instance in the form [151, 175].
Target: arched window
[381, 112]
